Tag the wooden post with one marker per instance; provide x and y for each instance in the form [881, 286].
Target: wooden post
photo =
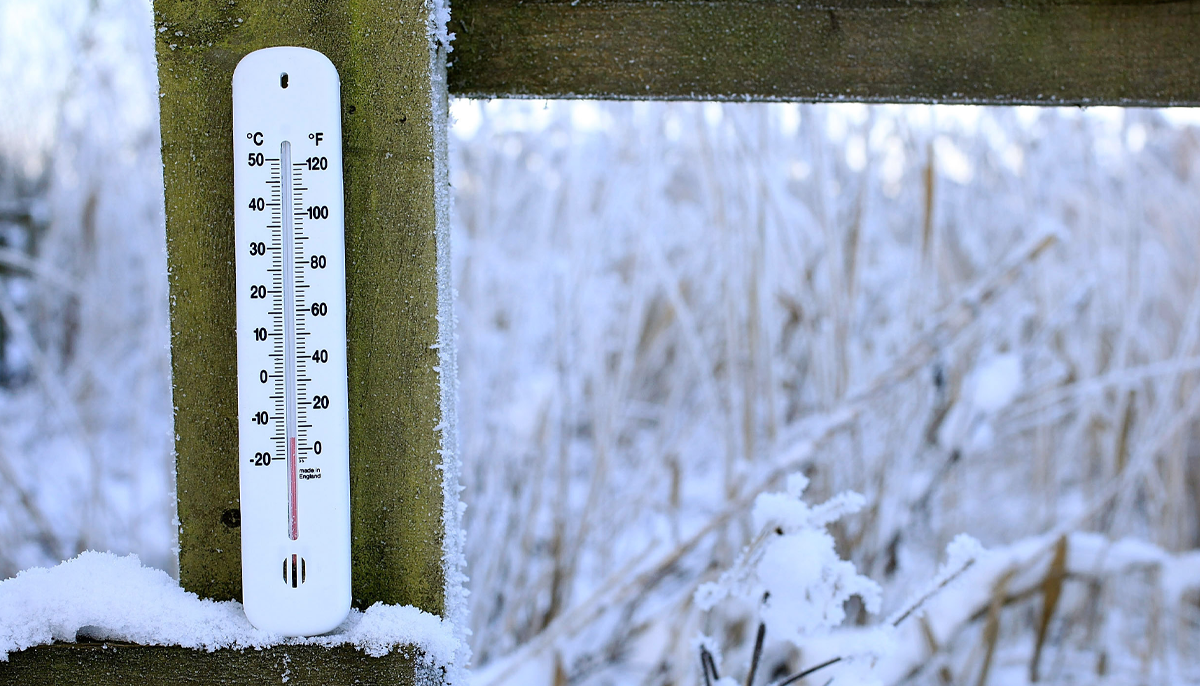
[382, 51]
[394, 116]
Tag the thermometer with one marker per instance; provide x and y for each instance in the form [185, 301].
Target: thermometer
[293, 426]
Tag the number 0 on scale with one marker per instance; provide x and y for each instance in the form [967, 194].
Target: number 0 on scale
[291, 341]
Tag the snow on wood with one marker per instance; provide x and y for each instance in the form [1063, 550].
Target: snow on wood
[101, 596]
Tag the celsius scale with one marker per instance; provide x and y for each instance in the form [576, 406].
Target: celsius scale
[291, 341]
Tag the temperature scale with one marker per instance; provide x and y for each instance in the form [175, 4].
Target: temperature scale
[291, 341]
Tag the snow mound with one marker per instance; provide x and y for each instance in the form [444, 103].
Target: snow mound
[101, 596]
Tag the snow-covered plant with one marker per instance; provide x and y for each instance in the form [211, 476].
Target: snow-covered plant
[794, 576]
[792, 569]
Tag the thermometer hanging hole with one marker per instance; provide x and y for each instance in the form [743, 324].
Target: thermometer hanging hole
[283, 80]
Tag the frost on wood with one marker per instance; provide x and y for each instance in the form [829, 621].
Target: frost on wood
[100, 596]
[453, 540]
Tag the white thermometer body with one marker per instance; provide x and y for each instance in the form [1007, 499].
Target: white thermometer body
[293, 425]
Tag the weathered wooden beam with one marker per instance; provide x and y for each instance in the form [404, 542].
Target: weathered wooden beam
[116, 664]
[1042, 52]
[383, 54]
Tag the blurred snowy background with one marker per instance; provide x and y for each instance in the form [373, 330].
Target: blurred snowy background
[984, 320]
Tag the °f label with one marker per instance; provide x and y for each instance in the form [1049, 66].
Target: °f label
[291, 341]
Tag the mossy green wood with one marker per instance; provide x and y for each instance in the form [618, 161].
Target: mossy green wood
[115, 664]
[1045, 52]
[382, 53]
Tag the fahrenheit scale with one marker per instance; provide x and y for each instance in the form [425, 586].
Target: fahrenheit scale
[291, 341]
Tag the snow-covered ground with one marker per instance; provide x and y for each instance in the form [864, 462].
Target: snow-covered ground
[984, 320]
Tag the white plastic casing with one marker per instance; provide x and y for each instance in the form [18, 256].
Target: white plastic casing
[295, 504]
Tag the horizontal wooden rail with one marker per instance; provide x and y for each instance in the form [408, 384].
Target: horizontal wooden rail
[118, 664]
[1042, 52]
